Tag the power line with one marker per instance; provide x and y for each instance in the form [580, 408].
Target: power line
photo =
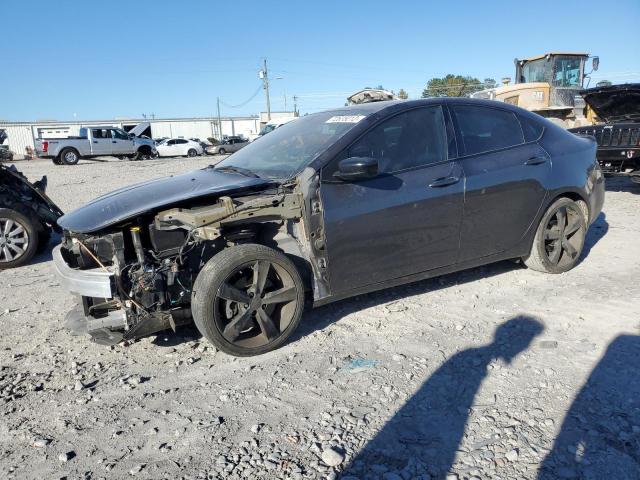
[253, 95]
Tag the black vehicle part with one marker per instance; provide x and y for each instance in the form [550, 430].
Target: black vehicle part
[618, 145]
[559, 238]
[166, 242]
[17, 193]
[81, 252]
[248, 299]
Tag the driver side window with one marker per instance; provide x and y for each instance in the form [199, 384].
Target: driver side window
[410, 139]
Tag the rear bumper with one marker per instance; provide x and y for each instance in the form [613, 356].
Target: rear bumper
[88, 283]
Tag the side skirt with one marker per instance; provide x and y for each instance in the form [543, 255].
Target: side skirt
[514, 253]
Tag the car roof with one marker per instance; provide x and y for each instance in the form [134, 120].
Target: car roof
[375, 107]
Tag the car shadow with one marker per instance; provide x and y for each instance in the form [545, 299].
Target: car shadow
[183, 334]
[422, 438]
[600, 434]
[321, 317]
[596, 232]
[44, 253]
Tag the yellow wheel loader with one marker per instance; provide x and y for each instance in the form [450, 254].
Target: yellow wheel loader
[548, 85]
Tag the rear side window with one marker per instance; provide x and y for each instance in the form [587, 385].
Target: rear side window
[532, 130]
[410, 139]
[181, 141]
[487, 129]
[101, 133]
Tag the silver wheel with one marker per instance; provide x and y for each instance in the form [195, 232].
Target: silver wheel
[14, 240]
[70, 157]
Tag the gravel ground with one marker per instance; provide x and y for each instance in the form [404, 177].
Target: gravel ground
[494, 372]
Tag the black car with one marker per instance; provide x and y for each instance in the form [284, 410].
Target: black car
[619, 137]
[335, 204]
[27, 217]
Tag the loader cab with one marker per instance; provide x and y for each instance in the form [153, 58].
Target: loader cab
[563, 72]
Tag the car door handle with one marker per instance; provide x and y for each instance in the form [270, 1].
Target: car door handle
[113, 141]
[95, 141]
[537, 160]
[444, 182]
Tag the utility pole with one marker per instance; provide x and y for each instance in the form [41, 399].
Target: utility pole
[295, 105]
[219, 121]
[264, 75]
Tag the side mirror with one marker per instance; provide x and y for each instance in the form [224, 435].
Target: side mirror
[357, 168]
[595, 62]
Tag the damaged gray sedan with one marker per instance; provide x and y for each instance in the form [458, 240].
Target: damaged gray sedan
[332, 205]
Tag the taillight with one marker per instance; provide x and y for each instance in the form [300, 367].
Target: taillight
[45, 147]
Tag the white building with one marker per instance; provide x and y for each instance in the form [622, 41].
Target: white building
[23, 134]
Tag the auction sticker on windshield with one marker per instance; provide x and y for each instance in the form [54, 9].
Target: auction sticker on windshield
[345, 119]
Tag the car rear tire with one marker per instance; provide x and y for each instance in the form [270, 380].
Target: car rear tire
[192, 153]
[18, 239]
[69, 156]
[221, 151]
[248, 299]
[559, 238]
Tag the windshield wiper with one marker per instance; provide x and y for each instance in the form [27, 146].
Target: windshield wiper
[242, 171]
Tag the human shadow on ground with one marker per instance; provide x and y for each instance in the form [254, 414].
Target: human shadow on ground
[600, 435]
[422, 438]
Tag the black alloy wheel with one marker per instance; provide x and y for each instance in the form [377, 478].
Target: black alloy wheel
[192, 152]
[559, 239]
[248, 299]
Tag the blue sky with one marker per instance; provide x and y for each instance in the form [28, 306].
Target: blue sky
[99, 60]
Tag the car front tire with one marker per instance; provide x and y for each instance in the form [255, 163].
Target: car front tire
[18, 239]
[559, 239]
[248, 299]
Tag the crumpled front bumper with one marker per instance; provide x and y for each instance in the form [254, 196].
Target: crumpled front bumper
[95, 282]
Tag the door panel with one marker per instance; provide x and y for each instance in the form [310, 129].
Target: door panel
[391, 226]
[101, 141]
[120, 143]
[504, 191]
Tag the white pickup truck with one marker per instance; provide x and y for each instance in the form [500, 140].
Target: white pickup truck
[97, 141]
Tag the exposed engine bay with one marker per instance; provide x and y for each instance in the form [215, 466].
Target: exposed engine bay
[154, 259]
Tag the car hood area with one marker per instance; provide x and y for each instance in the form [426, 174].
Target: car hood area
[615, 103]
[145, 197]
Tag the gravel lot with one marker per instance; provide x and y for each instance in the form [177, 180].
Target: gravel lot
[495, 372]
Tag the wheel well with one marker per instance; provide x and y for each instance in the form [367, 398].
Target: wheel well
[69, 148]
[579, 199]
[275, 236]
[145, 149]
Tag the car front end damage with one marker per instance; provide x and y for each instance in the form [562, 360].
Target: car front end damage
[136, 278]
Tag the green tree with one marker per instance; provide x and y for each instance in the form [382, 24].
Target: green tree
[452, 86]
[490, 83]
[402, 94]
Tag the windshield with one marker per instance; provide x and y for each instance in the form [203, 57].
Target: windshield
[535, 71]
[291, 147]
[567, 72]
